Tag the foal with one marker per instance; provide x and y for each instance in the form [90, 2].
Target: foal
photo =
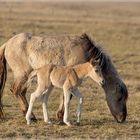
[66, 77]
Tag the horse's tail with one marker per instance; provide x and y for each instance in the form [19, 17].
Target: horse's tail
[3, 75]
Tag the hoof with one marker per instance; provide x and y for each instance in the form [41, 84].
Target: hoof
[28, 122]
[33, 119]
[49, 123]
[68, 123]
[2, 118]
[60, 123]
[78, 123]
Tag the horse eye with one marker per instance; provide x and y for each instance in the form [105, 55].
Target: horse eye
[120, 99]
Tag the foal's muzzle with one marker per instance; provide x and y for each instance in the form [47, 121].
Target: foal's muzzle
[102, 83]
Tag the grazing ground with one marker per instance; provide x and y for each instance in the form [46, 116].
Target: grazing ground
[116, 27]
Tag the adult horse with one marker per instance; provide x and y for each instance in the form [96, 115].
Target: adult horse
[25, 52]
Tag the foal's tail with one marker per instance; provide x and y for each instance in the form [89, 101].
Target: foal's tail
[31, 77]
[3, 75]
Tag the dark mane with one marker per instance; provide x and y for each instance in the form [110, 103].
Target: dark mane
[94, 52]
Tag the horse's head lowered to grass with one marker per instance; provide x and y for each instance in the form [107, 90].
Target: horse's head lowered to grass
[115, 89]
[116, 92]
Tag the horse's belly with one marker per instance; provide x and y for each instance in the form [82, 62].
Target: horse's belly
[41, 59]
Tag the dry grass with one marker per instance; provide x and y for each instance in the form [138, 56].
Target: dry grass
[116, 27]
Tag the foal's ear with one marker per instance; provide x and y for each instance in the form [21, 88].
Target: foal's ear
[94, 62]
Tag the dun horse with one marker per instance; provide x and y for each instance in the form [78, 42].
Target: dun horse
[66, 77]
[25, 52]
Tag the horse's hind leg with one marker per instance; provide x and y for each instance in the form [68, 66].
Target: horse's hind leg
[23, 95]
[19, 90]
[1, 113]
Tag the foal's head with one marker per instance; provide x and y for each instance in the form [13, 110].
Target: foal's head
[96, 72]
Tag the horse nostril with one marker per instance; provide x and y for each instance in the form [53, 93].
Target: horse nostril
[121, 118]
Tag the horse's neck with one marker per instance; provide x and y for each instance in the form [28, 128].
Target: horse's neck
[82, 70]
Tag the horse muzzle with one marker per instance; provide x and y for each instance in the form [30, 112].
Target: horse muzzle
[120, 118]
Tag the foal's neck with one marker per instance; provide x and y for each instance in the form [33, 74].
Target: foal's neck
[82, 70]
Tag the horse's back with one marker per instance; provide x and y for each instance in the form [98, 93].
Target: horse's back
[58, 50]
[25, 52]
[45, 50]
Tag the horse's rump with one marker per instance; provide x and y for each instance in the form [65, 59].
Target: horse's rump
[3, 75]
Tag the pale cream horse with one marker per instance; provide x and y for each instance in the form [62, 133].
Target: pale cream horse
[66, 77]
[25, 52]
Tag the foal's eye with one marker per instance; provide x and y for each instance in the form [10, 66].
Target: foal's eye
[96, 70]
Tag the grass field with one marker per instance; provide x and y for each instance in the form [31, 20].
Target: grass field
[116, 27]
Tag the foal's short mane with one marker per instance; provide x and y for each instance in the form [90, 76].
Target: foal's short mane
[94, 52]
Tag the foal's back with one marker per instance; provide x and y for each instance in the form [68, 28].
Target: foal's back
[60, 75]
[52, 74]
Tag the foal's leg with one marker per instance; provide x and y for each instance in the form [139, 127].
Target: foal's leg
[46, 95]
[33, 97]
[67, 95]
[80, 102]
